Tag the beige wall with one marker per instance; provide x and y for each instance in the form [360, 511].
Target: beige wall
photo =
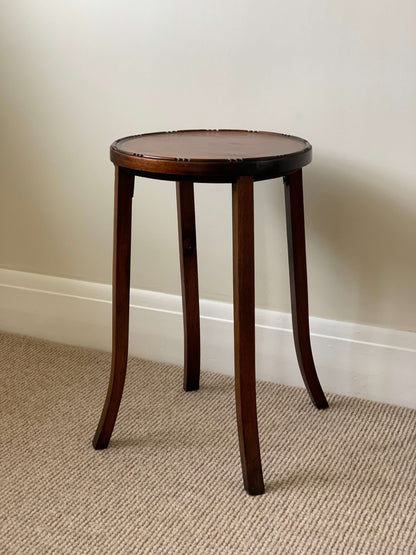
[76, 75]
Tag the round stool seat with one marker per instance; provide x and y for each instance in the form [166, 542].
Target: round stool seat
[211, 155]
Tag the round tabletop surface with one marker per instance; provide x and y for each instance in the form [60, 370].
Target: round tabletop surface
[214, 154]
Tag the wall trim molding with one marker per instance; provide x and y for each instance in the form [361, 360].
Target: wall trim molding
[361, 361]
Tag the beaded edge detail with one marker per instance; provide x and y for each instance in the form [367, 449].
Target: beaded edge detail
[236, 160]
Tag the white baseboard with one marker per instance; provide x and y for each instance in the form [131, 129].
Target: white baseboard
[351, 359]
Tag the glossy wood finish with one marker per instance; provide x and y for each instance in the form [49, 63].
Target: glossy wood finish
[211, 155]
[239, 157]
[244, 340]
[189, 279]
[124, 188]
[298, 286]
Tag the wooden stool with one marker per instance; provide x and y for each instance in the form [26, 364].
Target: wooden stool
[214, 156]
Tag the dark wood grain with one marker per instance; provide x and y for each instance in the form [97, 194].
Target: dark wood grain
[124, 188]
[189, 280]
[211, 155]
[244, 341]
[238, 157]
[298, 286]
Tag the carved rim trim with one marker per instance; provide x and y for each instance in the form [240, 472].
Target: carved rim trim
[115, 146]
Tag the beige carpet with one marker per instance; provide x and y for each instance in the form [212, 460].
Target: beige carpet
[337, 481]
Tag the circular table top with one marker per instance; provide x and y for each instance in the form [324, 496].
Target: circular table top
[211, 155]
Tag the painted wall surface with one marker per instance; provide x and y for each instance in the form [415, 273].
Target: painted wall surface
[77, 75]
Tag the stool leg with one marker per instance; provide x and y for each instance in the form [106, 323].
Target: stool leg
[189, 279]
[244, 344]
[299, 287]
[124, 187]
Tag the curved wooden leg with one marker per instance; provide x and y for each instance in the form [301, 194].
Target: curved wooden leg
[189, 279]
[299, 287]
[124, 187]
[244, 326]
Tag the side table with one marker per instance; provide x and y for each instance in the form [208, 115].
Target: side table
[213, 156]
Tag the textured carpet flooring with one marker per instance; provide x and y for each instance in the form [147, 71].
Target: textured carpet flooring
[337, 481]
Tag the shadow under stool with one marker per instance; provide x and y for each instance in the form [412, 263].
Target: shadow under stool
[213, 156]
